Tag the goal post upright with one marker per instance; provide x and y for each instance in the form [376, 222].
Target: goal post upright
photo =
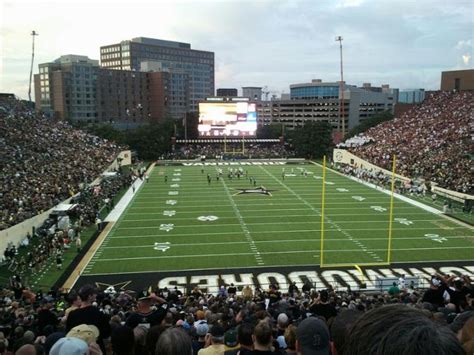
[323, 195]
[390, 222]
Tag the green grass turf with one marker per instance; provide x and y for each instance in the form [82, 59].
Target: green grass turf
[263, 231]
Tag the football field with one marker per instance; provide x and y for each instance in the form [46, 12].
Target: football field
[269, 216]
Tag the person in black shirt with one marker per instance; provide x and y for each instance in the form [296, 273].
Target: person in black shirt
[322, 307]
[89, 314]
[144, 314]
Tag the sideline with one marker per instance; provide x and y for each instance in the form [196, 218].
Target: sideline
[400, 197]
[111, 219]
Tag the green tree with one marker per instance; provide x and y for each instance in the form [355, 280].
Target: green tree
[107, 131]
[191, 122]
[372, 121]
[271, 131]
[152, 140]
[313, 140]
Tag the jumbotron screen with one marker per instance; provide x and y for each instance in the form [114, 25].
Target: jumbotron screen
[227, 119]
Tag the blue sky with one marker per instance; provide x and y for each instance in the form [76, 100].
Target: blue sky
[404, 43]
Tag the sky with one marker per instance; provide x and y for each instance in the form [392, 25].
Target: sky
[272, 43]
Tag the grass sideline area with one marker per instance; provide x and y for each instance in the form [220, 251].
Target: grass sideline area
[179, 221]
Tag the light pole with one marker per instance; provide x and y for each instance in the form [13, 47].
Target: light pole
[33, 34]
[342, 119]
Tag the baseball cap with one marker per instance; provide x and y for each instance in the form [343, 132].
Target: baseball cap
[87, 332]
[70, 346]
[230, 338]
[201, 329]
[144, 295]
[313, 336]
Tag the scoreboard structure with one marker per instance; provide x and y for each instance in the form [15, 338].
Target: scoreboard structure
[227, 117]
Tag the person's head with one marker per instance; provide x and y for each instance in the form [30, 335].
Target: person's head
[87, 293]
[290, 337]
[27, 349]
[217, 334]
[400, 330]
[262, 334]
[282, 321]
[174, 341]
[70, 346]
[312, 337]
[467, 336]
[123, 340]
[74, 299]
[244, 334]
[340, 328]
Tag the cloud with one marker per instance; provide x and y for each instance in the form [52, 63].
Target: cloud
[462, 44]
[273, 43]
[466, 58]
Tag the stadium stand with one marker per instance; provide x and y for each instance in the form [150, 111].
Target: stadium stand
[281, 321]
[43, 162]
[432, 141]
[233, 151]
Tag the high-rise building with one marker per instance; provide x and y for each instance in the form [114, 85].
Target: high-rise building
[319, 101]
[192, 71]
[66, 88]
[414, 96]
[252, 92]
[226, 92]
[75, 88]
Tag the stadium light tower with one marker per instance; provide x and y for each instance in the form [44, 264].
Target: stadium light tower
[341, 93]
[33, 34]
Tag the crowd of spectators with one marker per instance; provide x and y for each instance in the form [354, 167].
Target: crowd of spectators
[432, 141]
[401, 320]
[43, 161]
[232, 151]
[50, 240]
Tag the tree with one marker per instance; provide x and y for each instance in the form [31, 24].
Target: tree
[271, 131]
[313, 140]
[191, 121]
[369, 122]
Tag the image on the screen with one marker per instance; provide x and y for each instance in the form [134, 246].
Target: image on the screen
[227, 119]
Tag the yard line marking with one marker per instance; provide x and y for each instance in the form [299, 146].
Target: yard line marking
[422, 238]
[312, 208]
[126, 236]
[278, 252]
[243, 225]
[287, 223]
[216, 207]
[209, 255]
[169, 213]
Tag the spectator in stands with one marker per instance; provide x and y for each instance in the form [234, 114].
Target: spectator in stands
[432, 141]
[144, 314]
[44, 162]
[214, 341]
[340, 329]
[174, 341]
[89, 314]
[244, 337]
[399, 329]
[312, 337]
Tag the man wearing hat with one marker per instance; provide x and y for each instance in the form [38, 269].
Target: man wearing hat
[214, 341]
[89, 314]
[145, 314]
[312, 337]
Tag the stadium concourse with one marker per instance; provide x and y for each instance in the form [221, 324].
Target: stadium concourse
[298, 319]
